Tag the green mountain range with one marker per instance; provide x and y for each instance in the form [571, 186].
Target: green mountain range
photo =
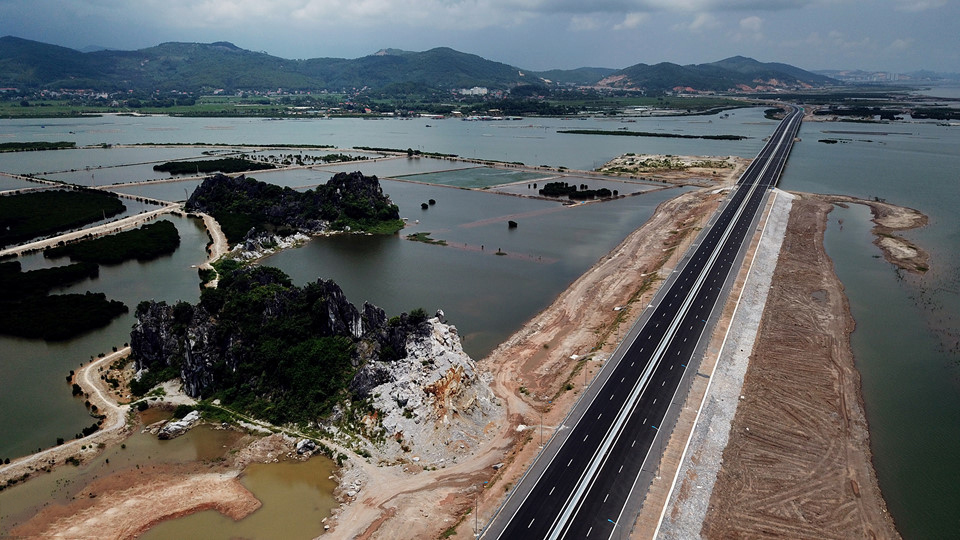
[203, 67]
[737, 72]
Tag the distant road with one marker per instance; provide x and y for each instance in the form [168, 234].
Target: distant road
[592, 477]
[98, 230]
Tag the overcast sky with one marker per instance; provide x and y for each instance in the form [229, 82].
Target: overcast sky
[891, 35]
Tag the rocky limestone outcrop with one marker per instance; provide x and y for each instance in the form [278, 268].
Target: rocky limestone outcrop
[433, 404]
[205, 349]
[259, 244]
[346, 198]
[176, 428]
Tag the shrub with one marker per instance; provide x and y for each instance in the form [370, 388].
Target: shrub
[182, 410]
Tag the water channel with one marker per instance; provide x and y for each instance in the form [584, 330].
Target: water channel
[907, 326]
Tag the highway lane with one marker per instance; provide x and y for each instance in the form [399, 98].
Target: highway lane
[587, 475]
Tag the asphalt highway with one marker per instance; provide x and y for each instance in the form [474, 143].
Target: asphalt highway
[590, 478]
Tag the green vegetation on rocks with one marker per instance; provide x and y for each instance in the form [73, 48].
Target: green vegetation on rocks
[347, 202]
[265, 347]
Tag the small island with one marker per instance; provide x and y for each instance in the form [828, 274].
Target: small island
[206, 166]
[247, 208]
[146, 243]
[266, 347]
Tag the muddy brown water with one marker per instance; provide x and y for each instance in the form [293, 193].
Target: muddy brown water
[300, 487]
[303, 490]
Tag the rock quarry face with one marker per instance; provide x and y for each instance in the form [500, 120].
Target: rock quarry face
[433, 403]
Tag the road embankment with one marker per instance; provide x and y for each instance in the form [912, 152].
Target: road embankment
[111, 430]
[797, 458]
[90, 232]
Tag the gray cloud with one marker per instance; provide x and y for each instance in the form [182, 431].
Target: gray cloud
[533, 34]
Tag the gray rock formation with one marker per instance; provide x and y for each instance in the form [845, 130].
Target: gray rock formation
[433, 403]
[205, 349]
[176, 428]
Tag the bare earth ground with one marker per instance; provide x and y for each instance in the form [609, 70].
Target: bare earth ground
[539, 358]
[549, 360]
[797, 463]
[217, 248]
[126, 504]
[704, 171]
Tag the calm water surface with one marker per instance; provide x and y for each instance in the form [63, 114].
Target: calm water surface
[35, 399]
[301, 487]
[531, 141]
[906, 342]
[296, 497]
[486, 295]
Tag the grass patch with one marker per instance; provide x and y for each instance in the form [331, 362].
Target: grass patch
[425, 238]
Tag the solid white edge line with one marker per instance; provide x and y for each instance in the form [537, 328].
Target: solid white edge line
[706, 392]
[574, 501]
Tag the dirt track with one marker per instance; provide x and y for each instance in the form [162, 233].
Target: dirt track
[537, 358]
[112, 430]
[797, 464]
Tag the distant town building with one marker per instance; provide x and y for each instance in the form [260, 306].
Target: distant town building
[475, 91]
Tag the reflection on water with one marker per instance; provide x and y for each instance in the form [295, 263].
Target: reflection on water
[908, 326]
[203, 443]
[296, 497]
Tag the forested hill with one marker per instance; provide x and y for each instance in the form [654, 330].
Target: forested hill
[200, 67]
[205, 67]
[269, 348]
[736, 73]
[346, 202]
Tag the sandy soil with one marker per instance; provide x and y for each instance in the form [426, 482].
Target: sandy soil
[798, 460]
[562, 347]
[126, 504]
[217, 248]
[889, 219]
[129, 502]
[704, 171]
